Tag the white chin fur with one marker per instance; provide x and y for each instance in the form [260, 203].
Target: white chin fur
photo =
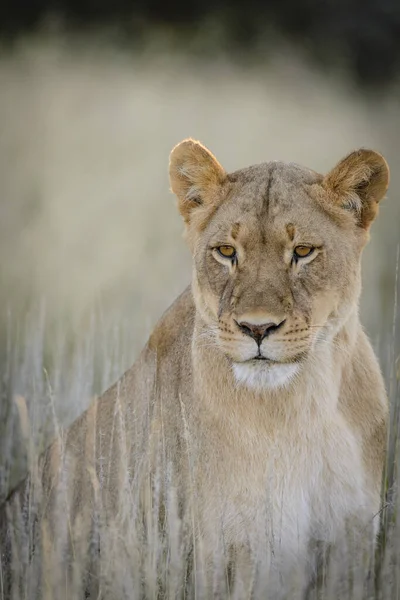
[261, 375]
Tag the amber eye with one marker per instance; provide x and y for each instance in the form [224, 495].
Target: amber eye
[227, 251]
[303, 251]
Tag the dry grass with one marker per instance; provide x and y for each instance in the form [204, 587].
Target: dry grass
[139, 557]
[94, 254]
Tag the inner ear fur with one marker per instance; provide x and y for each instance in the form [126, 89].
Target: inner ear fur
[359, 182]
[195, 176]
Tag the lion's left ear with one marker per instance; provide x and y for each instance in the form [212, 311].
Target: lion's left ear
[195, 177]
[358, 183]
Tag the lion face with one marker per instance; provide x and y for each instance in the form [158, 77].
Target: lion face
[276, 254]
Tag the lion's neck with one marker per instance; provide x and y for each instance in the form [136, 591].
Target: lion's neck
[314, 391]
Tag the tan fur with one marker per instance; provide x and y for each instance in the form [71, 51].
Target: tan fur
[267, 458]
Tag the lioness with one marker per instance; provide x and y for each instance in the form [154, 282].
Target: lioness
[252, 428]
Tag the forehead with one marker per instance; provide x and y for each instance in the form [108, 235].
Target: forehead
[271, 195]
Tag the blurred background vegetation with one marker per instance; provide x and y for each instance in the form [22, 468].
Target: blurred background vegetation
[93, 95]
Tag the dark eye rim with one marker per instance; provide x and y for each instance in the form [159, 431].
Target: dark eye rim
[299, 256]
[231, 257]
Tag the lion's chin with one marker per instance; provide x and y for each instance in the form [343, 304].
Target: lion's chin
[261, 374]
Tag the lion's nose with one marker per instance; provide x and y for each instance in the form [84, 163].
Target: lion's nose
[259, 332]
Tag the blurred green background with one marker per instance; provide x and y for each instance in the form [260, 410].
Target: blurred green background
[92, 99]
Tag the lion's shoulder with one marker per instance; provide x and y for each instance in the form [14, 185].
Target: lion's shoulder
[173, 332]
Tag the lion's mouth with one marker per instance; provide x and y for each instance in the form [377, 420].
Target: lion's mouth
[259, 358]
[262, 359]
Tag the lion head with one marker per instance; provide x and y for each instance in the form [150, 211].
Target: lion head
[276, 253]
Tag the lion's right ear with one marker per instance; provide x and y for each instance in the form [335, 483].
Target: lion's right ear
[358, 183]
[195, 176]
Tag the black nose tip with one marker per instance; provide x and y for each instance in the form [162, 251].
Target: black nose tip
[259, 332]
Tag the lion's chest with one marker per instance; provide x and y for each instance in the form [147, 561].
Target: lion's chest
[280, 493]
